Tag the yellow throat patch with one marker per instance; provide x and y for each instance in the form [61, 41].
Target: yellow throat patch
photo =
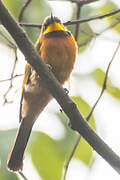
[54, 27]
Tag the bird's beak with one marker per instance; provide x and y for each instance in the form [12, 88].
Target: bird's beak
[52, 17]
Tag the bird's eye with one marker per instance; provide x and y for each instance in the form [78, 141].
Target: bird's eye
[57, 20]
[45, 27]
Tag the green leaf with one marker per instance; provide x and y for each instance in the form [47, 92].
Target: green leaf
[98, 75]
[84, 151]
[108, 7]
[47, 157]
[85, 37]
[6, 140]
[14, 6]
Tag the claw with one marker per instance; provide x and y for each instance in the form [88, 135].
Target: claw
[66, 90]
[38, 78]
[61, 110]
[49, 66]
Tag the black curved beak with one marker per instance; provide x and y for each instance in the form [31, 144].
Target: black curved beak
[52, 17]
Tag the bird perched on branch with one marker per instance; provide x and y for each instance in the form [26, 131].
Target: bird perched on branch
[57, 47]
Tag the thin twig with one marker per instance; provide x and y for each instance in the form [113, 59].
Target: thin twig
[83, 1]
[23, 9]
[77, 21]
[23, 176]
[104, 83]
[30, 25]
[79, 6]
[11, 80]
[84, 43]
[70, 157]
[92, 18]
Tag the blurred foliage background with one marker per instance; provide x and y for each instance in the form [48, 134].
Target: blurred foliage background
[50, 155]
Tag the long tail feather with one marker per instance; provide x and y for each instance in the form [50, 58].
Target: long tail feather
[15, 159]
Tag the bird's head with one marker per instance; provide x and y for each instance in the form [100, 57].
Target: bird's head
[52, 24]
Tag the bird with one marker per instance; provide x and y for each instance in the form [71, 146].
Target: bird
[57, 48]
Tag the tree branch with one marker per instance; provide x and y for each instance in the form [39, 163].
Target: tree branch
[77, 21]
[77, 121]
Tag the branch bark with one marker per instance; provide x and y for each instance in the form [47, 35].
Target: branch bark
[77, 121]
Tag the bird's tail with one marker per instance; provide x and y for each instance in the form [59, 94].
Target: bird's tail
[15, 159]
